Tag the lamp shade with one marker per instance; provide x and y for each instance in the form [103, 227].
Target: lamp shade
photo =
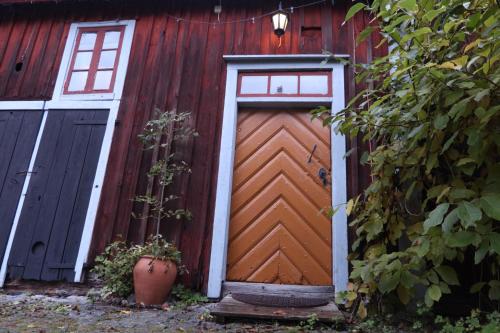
[280, 21]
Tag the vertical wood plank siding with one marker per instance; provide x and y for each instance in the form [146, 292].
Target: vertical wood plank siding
[174, 65]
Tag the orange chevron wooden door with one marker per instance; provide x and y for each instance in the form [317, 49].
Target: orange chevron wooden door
[279, 230]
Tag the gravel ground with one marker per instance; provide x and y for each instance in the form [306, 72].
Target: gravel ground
[24, 312]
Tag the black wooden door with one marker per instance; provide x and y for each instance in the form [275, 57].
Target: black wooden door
[18, 132]
[52, 219]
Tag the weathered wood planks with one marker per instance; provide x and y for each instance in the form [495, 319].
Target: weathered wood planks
[231, 308]
[18, 132]
[48, 235]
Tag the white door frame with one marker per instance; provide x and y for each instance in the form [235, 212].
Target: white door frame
[218, 256]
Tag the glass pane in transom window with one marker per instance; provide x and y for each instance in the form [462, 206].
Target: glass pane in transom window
[111, 40]
[284, 84]
[87, 41]
[254, 84]
[107, 59]
[102, 80]
[82, 60]
[314, 84]
[77, 81]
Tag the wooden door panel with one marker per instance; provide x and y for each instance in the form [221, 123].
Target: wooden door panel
[51, 223]
[279, 211]
[279, 230]
[18, 132]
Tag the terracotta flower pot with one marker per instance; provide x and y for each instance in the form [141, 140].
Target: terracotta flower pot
[153, 280]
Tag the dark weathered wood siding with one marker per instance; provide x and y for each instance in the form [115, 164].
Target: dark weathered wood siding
[18, 132]
[174, 65]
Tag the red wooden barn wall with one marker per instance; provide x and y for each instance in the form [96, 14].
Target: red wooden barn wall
[174, 65]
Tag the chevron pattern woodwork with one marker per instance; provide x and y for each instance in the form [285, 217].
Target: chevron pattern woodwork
[279, 230]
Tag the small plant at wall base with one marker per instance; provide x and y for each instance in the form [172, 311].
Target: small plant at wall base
[151, 269]
[431, 110]
[114, 267]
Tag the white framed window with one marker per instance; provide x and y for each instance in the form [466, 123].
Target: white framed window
[94, 61]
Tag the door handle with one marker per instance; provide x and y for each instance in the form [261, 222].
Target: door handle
[25, 172]
[312, 152]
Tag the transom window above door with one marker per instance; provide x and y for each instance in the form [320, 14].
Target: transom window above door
[307, 84]
[94, 60]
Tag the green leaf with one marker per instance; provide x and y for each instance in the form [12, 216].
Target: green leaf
[453, 97]
[353, 10]
[476, 287]
[465, 160]
[410, 5]
[490, 204]
[388, 282]
[431, 14]
[450, 220]
[494, 292]
[436, 216]
[458, 108]
[350, 205]
[404, 294]
[468, 214]
[495, 242]
[461, 238]
[416, 33]
[408, 280]
[448, 142]
[448, 274]
[481, 252]
[449, 25]
[415, 131]
[423, 248]
[441, 121]
[434, 292]
[445, 288]
[461, 193]
[364, 34]
[428, 300]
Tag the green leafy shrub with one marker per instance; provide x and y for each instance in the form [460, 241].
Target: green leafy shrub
[431, 109]
[114, 266]
[473, 323]
[186, 297]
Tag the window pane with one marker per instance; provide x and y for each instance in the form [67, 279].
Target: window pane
[78, 81]
[111, 40]
[107, 59]
[314, 84]
[82, 60]
[87, 41]
[281, 84]
[251, 84]
[102, 80]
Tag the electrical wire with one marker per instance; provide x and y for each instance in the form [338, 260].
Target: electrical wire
[250, 19]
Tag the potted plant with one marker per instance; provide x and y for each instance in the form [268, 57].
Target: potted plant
[115, 268]
[156, 269]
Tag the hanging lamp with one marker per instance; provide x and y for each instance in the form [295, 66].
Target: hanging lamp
[280, 21]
